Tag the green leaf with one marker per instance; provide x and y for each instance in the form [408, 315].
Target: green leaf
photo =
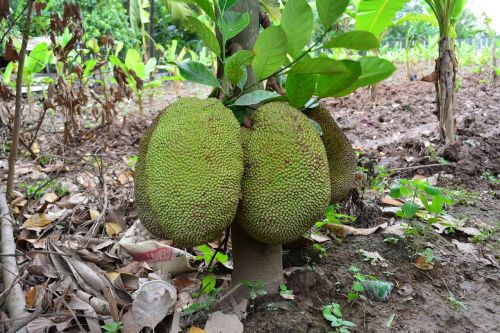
[431, 190]
[255, 97]
[330, 85]
[357, 40]
[409, 209]
[89, 67]
[329, 11]
[207, 35]
[232, 23]
[197, 72]
[270, 52]
[319, 66]
[297, 22]
[226, 4]
[208, 284]
[300, 88]
[133, 61]
[395, 192]
[37, 59]
[233, 67]
[207, 7]
[376, 15]
[374, 70]
[8, 72]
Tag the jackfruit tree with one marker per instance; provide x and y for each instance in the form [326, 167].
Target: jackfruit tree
[261, 164]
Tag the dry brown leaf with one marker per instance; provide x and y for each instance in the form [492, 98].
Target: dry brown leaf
[391, 202]
[41, 221]
[94, 214]
[195, 329]
[35, 148]
[30, 295]
[220, 322]
[50, 197]
[422, 264]
[153, 302]
[342, 231]
[126, 177]
[113, 229]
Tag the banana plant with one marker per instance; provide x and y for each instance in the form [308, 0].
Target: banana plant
[35, 62]
[493, 39]
[138, 74]
[447, 13]
[286, 50]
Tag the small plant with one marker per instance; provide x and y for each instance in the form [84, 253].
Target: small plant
[285, 292]
[489, 177]
[41, 187]
[486, 235]
[208, 253]
[200, 306]
[428, 256]
[357, 288]
[391, 240]
[431, 198]
[322, 251]
[453, 302]
[255, 288]
[332, 313]
[132, 161]
[113, 327]
[379, 181]
[332, 217]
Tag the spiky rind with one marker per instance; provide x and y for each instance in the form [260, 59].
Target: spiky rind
[286, 184]
[341, 156]
[188, 175]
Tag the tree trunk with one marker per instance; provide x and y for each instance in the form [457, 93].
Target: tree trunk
[151, 28]
[494, 60]
[248, 36]
[17, 113]
[446, 69]
[255, 261]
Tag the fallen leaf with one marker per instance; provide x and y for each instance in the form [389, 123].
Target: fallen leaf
[50, 197]
[373, 257]
[35, 148]
[126, 177]
[195, 329]
[391, 202]
[153, 301]
[341, 230]
[422, 264]
[219, 322]
[113, 229]
[94, 214]
[319, 237]
[38, 222]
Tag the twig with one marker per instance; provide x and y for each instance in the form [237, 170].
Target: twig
[16, 302]
[23, 322]
[417, 167]
[17, 112]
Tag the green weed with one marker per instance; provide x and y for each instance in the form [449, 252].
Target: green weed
[333, 314]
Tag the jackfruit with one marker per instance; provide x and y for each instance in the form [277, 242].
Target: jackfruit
[341, 156]
[188, 174]
[286, 183]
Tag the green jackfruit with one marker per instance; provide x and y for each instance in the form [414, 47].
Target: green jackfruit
[286, 184]
[341, 156]
[188, 174]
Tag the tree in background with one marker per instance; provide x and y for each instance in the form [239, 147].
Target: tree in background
[447, 13]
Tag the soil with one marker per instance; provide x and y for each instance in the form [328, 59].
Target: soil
[394, 132]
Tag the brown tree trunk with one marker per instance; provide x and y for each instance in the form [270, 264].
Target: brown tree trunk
[494, 55]
[17, 113]
[151, 28]
[446, 69]
[255, 261]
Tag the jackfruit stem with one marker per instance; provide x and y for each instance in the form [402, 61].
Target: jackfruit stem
[254, 261]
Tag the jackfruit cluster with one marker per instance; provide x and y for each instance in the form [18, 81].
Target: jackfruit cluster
[188, 175]
[198, 171]
[341, 156]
